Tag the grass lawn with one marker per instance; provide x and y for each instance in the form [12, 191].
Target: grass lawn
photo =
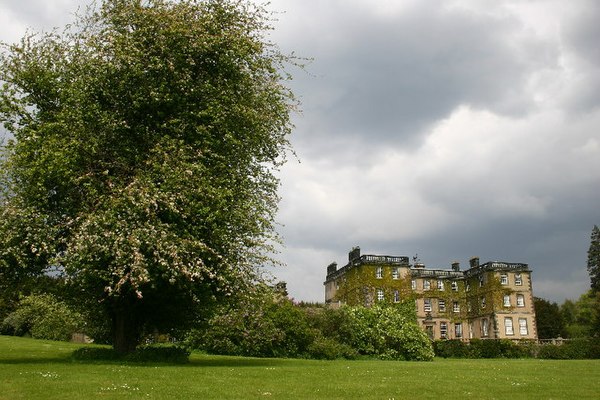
[37, 369]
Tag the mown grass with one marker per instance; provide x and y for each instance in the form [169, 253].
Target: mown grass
[36, 369]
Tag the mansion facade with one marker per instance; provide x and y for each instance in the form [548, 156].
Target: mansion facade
[493, 300]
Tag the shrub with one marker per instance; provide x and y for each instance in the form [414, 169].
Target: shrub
[323, 348]
[387, 332]
[497, 348]
[574, 349]
[452, 349]
[265, 326]
[42, 316]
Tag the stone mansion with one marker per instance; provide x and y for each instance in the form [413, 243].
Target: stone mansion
[491, 300]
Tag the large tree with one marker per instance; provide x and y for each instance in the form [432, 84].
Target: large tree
[593, 261]
[147, 137]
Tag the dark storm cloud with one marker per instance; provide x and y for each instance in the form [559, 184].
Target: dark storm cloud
[582, 32]
[384, 80]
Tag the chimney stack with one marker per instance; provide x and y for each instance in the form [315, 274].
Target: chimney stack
[474, 261]
[354, 254]
[331, 268]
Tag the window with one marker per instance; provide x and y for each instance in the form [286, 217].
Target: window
[508, 326]
[504, 279]
[396, 296]
[427, 305]
[480, 280]
[523, 326]
[458, 330]
[471, 330]
[483, 302]
[506, 300]
[484, 327]
[426, 285]
[442, 305]
[444, 330]
[456, 306]
[455, 286]
[395, 273]
[518, 280]
[413, 284]
[467, 287]
[440, 284]
[469, 306]
[520, 300]
[379, 273]
[380, 295]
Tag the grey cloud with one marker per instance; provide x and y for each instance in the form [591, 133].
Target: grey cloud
[386, 80]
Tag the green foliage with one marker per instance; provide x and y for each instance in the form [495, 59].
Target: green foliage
[268, 325]
[452, 349]
[146, 141]
[485, 348]
[548, 319]
[43, 317]
[265, 325]
[581, 316]
[324, 348]
[573, 349]
[360, 285]
[144, 354]
[497, 348]
[387, 332]
[593, 261]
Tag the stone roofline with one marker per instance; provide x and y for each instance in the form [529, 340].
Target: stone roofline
[419, 270]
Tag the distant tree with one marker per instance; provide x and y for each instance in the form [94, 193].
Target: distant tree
[593, 261]
[146, 141]
[548, 319]
[580, 317]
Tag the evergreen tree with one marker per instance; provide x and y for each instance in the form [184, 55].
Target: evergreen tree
[593, 262]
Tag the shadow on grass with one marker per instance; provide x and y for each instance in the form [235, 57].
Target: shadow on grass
[194, 362]
[227, 362]
[36, 360]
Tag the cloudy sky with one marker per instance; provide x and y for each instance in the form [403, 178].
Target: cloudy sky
[447, 129]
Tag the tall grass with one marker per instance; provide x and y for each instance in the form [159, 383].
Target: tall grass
[35, 369]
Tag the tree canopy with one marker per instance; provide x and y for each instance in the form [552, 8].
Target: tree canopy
[147, 137]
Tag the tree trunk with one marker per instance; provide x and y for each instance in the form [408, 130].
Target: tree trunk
[124, 331]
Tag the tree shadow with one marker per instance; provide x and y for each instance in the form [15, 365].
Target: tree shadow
[235, 362]
[36, 360]
[194, 362]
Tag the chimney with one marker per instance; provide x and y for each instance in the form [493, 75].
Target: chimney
[474, 261]
[354, 254]
[456, 266]
[331, 268]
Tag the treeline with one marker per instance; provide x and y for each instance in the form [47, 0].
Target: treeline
[571, 319]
